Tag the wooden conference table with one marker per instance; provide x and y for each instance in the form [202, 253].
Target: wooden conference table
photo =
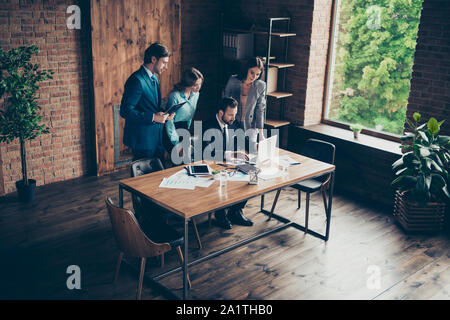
[190, 203]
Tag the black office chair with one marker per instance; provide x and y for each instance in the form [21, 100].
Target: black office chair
[318, 150]
[145, 209]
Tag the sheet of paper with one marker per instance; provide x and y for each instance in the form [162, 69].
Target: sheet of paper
[238, 176]
[270, 173]
[181, 180]
[203, 182]
[178, 182]
[182, 172]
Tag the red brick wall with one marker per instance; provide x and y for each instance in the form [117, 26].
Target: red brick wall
[67, 152]
[64, 152]
[200, 48]
[430, 83]
[320, 33]
[310, 20]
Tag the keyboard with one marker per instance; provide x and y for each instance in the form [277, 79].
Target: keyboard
[246, 168]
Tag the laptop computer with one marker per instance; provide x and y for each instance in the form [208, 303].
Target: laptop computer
[267, 155]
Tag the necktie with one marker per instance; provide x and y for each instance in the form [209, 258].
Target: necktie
[225, 137]
[156, 88]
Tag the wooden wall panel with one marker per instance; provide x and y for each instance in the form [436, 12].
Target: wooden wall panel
[121, 31]
[2, 185]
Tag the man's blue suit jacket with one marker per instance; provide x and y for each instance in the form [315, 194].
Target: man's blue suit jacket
[140, 101]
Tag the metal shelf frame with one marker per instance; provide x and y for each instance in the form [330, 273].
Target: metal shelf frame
[283, 34]
[270, 33]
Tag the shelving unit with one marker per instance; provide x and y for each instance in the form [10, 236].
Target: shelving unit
[274, 34]
[281, 64]
[279, 95]
[276, 123]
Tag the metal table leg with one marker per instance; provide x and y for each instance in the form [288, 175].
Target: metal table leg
[330, 200]
[185, 260]
[120, 196]
[287, 223]
[304, 228]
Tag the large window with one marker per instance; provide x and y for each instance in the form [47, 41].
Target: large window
[371, 63]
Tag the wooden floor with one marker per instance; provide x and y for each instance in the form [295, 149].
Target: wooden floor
[68, 225]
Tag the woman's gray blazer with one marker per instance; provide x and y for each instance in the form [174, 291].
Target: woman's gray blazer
[256, 102]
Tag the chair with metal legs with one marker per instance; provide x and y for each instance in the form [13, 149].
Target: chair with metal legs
[149, 241]
[318, 150]
[144, 208]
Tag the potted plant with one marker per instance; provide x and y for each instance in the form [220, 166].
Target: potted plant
[215, 174]
[422, 177]
[356, 128]
[20, 115]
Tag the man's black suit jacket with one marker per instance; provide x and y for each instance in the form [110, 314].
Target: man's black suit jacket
[212, 123]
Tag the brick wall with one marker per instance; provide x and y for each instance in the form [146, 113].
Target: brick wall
[67, 151]
[200, 48]
[310, 20]
[320, 33]
[64, 152]
[430, 83]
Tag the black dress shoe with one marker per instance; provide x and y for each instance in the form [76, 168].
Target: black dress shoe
[222, 220]
[237, 217]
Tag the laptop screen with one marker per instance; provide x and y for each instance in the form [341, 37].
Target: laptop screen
[267, 149]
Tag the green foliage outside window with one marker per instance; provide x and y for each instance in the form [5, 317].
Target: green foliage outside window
[373, 62]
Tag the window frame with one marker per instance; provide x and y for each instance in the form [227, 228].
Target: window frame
[330, 56]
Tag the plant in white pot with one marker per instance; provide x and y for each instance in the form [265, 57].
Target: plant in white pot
[20, 115]
[422, 177]
[356, 128]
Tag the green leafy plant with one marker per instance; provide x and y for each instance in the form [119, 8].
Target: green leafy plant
[423, 169]
[20, 116]
[356, 127]
[373, 66]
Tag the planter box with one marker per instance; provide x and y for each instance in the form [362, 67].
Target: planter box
[414, 218]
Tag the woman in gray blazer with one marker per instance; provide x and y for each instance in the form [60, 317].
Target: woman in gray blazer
[250, 92]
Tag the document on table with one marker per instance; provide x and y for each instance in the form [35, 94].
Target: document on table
[238, 176]
[178, 182]
[181, 180]
[203, 182]
[270, 173]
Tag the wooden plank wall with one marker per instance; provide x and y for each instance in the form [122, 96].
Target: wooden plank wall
[121, 31]
[2, 184]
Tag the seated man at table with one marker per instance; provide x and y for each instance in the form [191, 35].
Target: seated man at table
[220, 125]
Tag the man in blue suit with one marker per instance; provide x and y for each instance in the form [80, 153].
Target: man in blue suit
[141, 105]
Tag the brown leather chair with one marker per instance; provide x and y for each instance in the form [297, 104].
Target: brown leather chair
[155, 240]
[144, 208]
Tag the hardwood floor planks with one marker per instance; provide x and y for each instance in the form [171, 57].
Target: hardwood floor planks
[68, 225]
